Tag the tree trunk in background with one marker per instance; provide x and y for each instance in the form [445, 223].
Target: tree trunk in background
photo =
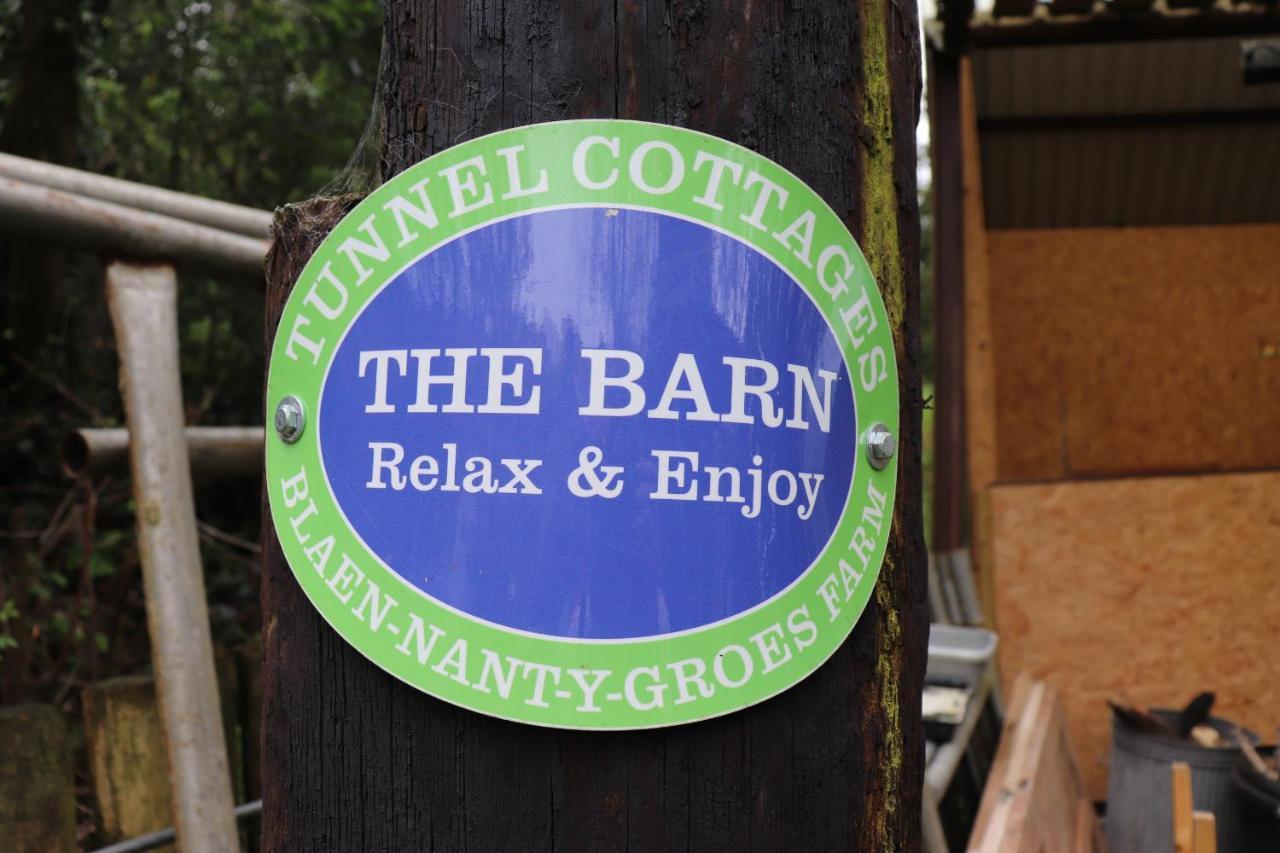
[355, 760]
[40, 121]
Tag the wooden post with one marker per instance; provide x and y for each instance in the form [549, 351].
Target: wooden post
[124, 739]
[979, 371]
[37, 789]
[949, 485]
[143, 302]
[1204, 832]
[128, 761]
[1183, 809]
[355, 760]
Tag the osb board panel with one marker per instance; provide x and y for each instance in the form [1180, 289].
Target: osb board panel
[1135, 350]
[1151, 589]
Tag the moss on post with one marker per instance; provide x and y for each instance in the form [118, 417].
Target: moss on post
[37, 790]
[127, 759]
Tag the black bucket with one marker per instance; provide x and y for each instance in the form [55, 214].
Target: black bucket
[1259, 799]
[1140, 788]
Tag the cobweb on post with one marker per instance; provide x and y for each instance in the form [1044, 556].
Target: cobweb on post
[363, 171]
[299, 227]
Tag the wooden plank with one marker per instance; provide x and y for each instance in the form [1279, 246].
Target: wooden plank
[1031, 801]
[1088, 833]
[989, 825]
[1030, 750]
[1183, 820]
[1114, 354]
[37, 788]
[1057, 788]
[1166, 596]
[1204, 834]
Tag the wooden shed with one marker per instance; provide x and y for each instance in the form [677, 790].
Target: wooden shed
[1107, 208]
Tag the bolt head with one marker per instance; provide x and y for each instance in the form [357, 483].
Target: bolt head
[290, 419]
[881, 446]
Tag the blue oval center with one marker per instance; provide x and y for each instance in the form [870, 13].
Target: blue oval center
[652, 560]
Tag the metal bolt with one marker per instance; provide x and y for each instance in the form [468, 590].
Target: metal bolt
[881, 446]
[291, 419]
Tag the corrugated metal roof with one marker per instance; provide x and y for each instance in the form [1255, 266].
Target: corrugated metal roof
[1126, 133]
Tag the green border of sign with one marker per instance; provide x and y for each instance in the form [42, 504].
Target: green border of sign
[551, 681]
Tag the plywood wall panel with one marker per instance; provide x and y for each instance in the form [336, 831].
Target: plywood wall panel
[1135, 350]
[1151, 589]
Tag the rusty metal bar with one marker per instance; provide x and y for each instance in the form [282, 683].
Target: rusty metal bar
[202, 211]
[143, 304]
[68, 218]
[162, 837]
[216, 453]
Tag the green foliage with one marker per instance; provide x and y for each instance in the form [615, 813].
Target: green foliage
[257, 102]
[8, 613]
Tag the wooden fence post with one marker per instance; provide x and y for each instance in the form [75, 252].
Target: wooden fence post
[143, 302]
[355, 760]
[124, 738]
[37, 790]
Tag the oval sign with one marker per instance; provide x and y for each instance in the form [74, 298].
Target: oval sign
[572, 426]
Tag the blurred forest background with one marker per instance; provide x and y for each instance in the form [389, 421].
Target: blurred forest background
[259, 102]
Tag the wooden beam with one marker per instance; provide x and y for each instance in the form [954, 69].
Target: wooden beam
[1117, 27]
[946, 145]
[979, 365]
